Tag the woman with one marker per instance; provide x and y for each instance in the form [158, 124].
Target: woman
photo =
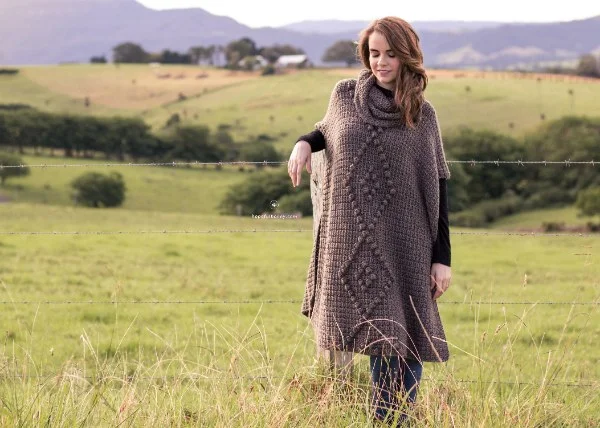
[381, 255]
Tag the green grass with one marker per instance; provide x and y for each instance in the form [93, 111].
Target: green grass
[191, 341]
[534, 219]
[152, 188]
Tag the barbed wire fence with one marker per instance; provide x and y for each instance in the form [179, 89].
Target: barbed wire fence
[498, 162]
[262, 302]
[566, 163]
[225, 376]
[215, 231]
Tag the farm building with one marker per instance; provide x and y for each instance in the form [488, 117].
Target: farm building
[296, 61]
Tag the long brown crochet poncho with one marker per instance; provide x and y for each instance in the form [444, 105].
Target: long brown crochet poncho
[375, 193]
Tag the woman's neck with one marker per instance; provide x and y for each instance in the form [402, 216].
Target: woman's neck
[388, 92]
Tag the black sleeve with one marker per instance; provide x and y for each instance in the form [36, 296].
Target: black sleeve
[316, 140]
[441, 248]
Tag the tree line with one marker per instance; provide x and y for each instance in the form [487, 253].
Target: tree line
[228, 56]
[478, 193]
[237, 54]
[123, 139]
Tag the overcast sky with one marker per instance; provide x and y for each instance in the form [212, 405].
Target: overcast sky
[257, 13]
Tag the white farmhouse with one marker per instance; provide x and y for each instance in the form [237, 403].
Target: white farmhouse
[296, 61]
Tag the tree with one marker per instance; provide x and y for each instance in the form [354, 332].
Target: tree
[569, 138]
[7, 159]
[172, 57]
[194, 143]
[272, 53]
[223, 139]
[96, 190]
[197, 53]
[589, 65]
[98, 60]
[130, 53]
[256, 196]
[342, 51]
[487, 181]
[239, 49]
[258, 152]
[299, 201]
[201, 53]
[588, 201]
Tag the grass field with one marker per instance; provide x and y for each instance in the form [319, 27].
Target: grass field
[123, 353]
[534, 219]
[114, 327]
[165, 189]
[525, 343]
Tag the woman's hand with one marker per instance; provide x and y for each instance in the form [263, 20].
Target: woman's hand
[440, 279]
[300, 156]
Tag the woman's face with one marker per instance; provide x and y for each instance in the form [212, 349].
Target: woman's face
[384, 63]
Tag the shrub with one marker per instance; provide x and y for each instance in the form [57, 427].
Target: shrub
[483, 181]
[255, 196]
[467, 218]
[553, 226]
[293, 202]
[551, 197]
[15, 106]
[10, 159]
[93, 189]
[494, 209]
[194, 143]
[175, 119]
[268, 70]
[258, 152]
[483, 213]
[588, 201]
[593, 227]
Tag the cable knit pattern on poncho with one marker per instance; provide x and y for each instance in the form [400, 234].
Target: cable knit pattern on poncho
[378, 205]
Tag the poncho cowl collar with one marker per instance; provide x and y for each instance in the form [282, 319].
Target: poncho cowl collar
[372, 105]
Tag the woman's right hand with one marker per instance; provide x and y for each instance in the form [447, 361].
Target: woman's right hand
[299, 157]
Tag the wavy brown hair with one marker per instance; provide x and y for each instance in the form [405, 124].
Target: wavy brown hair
[412, 78]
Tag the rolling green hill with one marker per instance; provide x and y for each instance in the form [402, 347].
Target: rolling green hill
[286, 106]
[283, 106]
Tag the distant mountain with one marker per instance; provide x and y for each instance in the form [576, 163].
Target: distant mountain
[511, 44]
[54, 31]
[336, 26]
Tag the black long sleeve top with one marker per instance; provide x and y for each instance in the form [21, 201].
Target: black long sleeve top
[441, 248]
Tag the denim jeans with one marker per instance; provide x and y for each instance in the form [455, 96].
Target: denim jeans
[389, 374]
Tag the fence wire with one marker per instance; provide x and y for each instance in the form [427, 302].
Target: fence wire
[173, 378]
[259, 302]
[498, 162]
[214, 231]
